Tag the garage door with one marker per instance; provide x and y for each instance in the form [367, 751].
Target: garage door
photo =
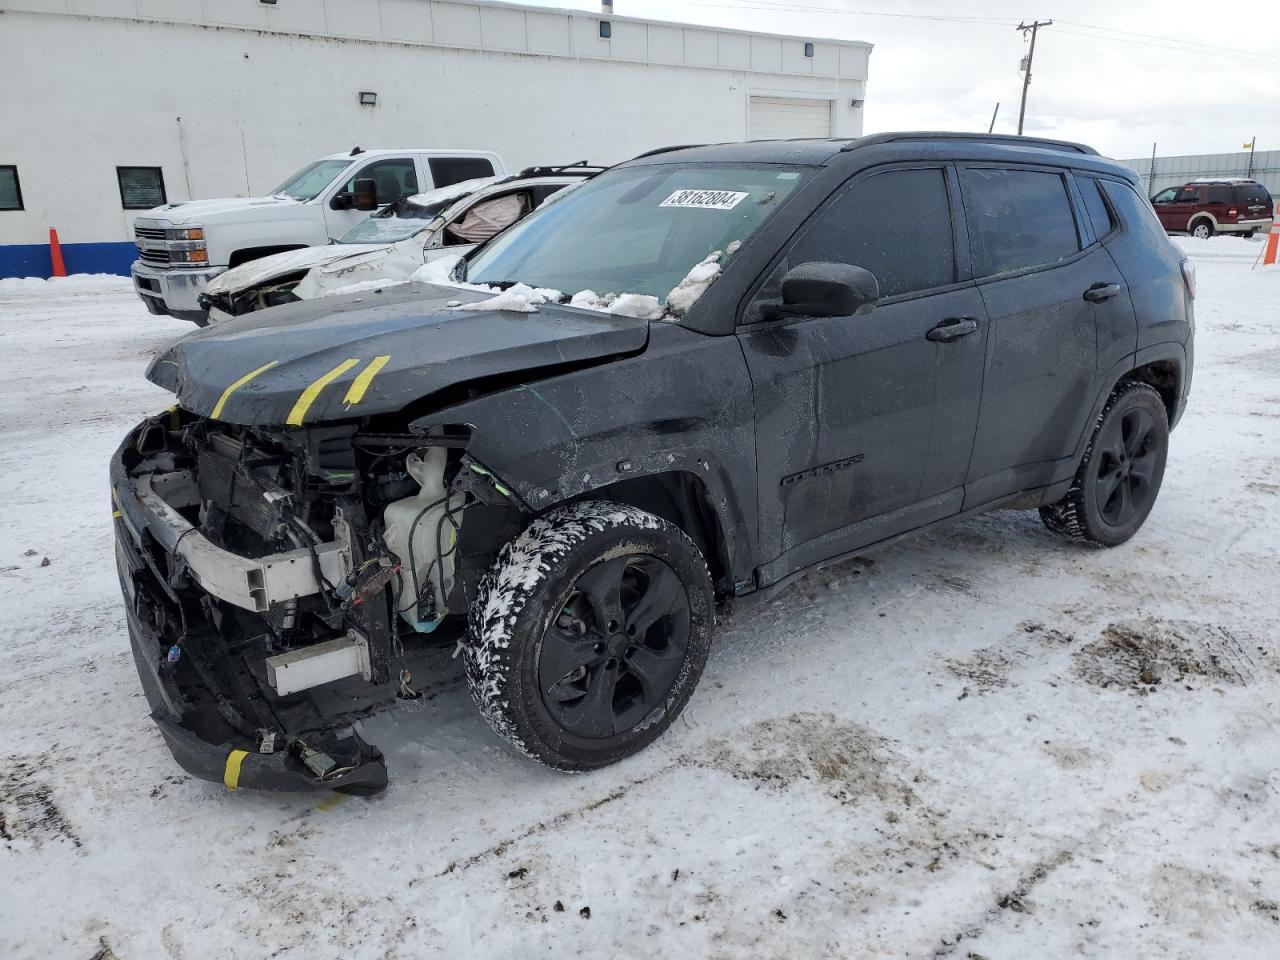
[778, 118]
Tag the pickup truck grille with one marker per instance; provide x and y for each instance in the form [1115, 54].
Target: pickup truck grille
[154, 256]
[151, 245]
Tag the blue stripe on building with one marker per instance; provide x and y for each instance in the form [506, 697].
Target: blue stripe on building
[32, 259]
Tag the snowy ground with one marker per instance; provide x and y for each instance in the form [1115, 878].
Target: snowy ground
[941, 750]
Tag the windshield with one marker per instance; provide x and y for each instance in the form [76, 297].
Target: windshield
[637, 229]
[397, 221]
[307, 183]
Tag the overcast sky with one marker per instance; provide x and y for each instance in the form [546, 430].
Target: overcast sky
[1188, 88]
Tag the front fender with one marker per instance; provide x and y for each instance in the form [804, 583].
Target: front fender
[683, 405]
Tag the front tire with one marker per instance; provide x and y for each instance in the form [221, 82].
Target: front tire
[589, 634]
[1119, 478]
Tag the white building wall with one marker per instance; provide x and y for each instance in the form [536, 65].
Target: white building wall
[86, 85]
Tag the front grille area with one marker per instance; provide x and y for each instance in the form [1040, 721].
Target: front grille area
[149, 233]
[151, 245]
[154, 256]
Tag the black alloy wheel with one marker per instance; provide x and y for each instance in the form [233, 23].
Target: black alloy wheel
[1119, 477]
[613, 654]
[1129, 452]
[589, 633]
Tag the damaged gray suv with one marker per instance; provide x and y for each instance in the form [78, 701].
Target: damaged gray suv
[670, 390]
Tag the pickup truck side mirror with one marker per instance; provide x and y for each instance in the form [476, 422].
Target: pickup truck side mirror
[820, 289]
[365, 194]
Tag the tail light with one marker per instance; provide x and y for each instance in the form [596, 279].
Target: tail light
[1189, 277]
[1232, 212]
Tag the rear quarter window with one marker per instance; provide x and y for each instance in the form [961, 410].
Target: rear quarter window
[1018, 219]
[1099, 216]
[1134, 211]
[1220, 194]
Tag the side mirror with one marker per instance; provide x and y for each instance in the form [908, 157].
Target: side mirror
[365, 195]
[820, 289]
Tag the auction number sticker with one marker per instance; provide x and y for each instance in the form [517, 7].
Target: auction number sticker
[705, 199]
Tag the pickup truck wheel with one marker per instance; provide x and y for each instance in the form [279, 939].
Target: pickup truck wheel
[1202, 229]
[589, 634]
[1119, 478]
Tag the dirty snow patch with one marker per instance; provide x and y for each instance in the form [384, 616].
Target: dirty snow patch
[695, 283]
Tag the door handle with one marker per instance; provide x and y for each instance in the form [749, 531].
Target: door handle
[952, 329]
[1101, 291]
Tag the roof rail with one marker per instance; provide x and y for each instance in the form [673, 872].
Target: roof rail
[578, 166]
[1001, 138]
[656, 150]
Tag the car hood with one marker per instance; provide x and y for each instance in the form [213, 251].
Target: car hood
[363, 354]
[278, 265]
[224, 209]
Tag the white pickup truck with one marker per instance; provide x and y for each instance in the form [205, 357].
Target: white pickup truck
[182, 246]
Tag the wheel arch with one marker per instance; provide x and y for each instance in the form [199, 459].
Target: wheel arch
[1161, 365]
[1201, 215]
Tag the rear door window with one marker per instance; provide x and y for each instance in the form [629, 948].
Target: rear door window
[895, 224]
[1095, 206]
[1188, 194]
[1017, 219]
[449, 170]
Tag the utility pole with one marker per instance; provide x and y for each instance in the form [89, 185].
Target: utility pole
[1031, 55]
[1250, 146]
[992, 125]
[1151, 173]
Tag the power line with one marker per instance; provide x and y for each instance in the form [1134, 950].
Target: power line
[1154, 41]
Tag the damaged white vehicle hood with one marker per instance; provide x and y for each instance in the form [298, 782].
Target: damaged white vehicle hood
[291, 261]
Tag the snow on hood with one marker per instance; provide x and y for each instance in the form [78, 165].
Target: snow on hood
[225, 210]
[427, 348]
[291, 261]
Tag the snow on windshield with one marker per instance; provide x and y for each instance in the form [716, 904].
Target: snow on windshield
[638, 229]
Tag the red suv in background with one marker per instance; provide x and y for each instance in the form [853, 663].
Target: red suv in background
[1205, 207]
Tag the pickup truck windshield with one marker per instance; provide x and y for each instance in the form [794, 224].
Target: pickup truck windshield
[307, 183]
[398, 221]
[636, 229]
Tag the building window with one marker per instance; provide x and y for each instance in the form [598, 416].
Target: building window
[10, 191]
[606, 29]
[141, 188]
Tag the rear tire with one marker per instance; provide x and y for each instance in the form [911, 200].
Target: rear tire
[1202, 229]
[589, 634]
[1119, 478]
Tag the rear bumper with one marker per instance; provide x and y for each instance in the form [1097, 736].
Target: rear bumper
[1246, 226]
[174, 292]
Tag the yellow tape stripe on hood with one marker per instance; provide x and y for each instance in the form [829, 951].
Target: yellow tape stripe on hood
[356, 392]
[222, 400]
[231, 776]
[308, 396]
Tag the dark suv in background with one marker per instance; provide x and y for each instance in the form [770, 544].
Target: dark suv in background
[670, 390]
[1205, 207]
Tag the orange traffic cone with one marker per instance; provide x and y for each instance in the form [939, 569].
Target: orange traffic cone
[55, 254]
[1273, 243]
